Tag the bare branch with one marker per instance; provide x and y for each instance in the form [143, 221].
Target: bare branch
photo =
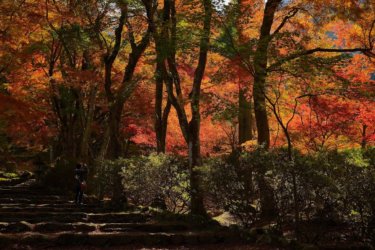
[110, 57]
[371, 40]
[291, 14]
[366, 51]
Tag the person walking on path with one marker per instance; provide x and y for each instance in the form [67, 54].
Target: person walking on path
[80, 177]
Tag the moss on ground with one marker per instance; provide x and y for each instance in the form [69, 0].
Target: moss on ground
[7, 177]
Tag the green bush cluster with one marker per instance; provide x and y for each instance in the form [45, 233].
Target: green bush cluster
[157, 180]
[332, 187]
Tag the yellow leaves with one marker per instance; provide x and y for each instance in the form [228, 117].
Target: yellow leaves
[283, 51]
[249, 145]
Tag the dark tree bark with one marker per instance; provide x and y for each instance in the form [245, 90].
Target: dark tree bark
[161, 116]
[117, 99]
[190, 129]
[88, 112]
[245, 117]
[364, 139]
[114, 118]
[74, 117]
[112, 145]
[245, 107]
[260, 74]
[161, 38]
[197, 206]
[160, 139]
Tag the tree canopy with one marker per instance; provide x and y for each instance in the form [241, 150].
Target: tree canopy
[102, 79]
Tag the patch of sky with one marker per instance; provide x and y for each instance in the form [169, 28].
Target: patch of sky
[331, 35]
[220, 5]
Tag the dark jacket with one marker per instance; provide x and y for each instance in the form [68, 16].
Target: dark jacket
[80, 174]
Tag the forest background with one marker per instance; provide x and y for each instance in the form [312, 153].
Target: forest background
[275, 96]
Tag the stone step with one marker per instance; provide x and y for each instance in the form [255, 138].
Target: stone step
[47, 208]
[67, 204]
[19, 187]
[50, 227]
[23, 191]
[28, 200]
[69, 217]
[55, 227]
[35, 197]
[145, 227]
[35, 217]
[15, 227]
[45, 227]
[4, 189]
[122, 217]
[119, 239]
[25, 188]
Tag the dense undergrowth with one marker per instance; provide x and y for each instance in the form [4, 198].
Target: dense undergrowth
[326, 196]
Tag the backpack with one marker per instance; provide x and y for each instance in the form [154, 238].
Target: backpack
[83, 185]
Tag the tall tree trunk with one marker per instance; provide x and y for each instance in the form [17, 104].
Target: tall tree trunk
[260, 74]
[161, 43]
[160, 139]
[197, 206]
[115, 145]
[67, 106]
[245, 117]
[87, 126]
[364, 139]
[117, 98]
[190, 130]
[161, 117]
[89, 113]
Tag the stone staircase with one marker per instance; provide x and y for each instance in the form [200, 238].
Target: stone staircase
[33, 218]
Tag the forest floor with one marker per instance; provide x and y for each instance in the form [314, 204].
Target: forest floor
[37, 219]
[200, 247]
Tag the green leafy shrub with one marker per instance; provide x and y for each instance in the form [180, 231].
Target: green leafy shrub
[320, 191]
[155, 180]
[104, 177]
[335, 186]
[232, 183]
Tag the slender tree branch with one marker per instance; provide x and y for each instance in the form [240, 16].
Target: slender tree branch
[290, 15]
[366, 51]
[370, 38]
[110, 57]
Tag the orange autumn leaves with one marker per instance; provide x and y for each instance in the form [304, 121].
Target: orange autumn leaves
[340, 107]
